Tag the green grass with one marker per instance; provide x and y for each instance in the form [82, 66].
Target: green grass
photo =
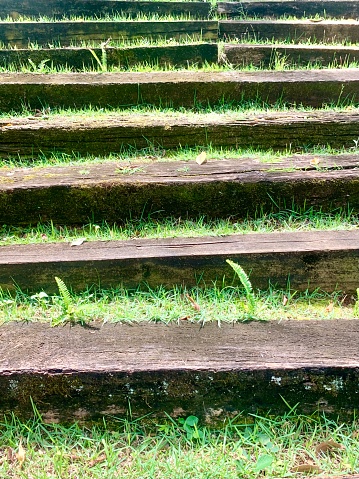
[278, 62]
[261, 446]
[235, 109]
[154, 226]
[131, 160]
[114, 43]
[218, 303]
[115, 17]
[288, 17]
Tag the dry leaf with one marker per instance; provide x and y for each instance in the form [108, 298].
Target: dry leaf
[10, 455]
[100, 458]
[21, 455]
[184, 318]
[329, 308]
[195, 305]
[306, 468]
[315, 161]
[327, 446]
[201, 158]
[285, 300]
[78, 242]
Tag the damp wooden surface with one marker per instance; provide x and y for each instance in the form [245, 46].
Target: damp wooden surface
[98, 8]
[322, 259]
[290, 30]
[304, 8]
[270, 56]
[66, 33]
[212, 372]
[103, 134]
[177, 88]
[80, 58]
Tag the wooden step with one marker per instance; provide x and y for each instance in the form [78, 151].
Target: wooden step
[98, 8]
[214, 373]
[305, 8]
[102, 134]
[324, 31]
[281, 56]
[237, 188]
[327, 260]
[124, 57]
[175, 89]
[66, 33]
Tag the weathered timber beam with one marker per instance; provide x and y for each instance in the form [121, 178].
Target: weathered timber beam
[294, 30]
[270, 56]
[305, 8]
[60, 8]
[64, 33]
[236, 188]
[109, 133]
[82, 374]
[80, 58]
[320, 259]
[186, 88]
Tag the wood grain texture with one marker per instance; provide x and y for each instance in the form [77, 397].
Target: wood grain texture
[269, 56]
[237, 188]
[304, 8]
[66, 33]
[103, 134]
[186, 88]
[309, 260]
[82, 374]
[78, 58]
[290, 30]
[98, 8]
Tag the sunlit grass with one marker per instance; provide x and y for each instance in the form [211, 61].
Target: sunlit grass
[155, 226]
[219, 303]
[163, 449]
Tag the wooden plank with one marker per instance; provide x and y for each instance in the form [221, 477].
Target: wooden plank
[65, 33]
[214, 373]
[78, 58]
[98, 8]
[110, 133]
[270, 56]
[236, 188]
[325, 31]
[177, 88]
[327, 260]
[305, 8]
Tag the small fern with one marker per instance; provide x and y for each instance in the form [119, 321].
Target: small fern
[71, 312]
[247, 285]
[65, 295]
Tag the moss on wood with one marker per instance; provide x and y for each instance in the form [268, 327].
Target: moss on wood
[290, 30]
[78, 374]
[98, 8]
[65, 33]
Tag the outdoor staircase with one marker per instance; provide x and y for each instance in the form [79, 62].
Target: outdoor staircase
[76, 373]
